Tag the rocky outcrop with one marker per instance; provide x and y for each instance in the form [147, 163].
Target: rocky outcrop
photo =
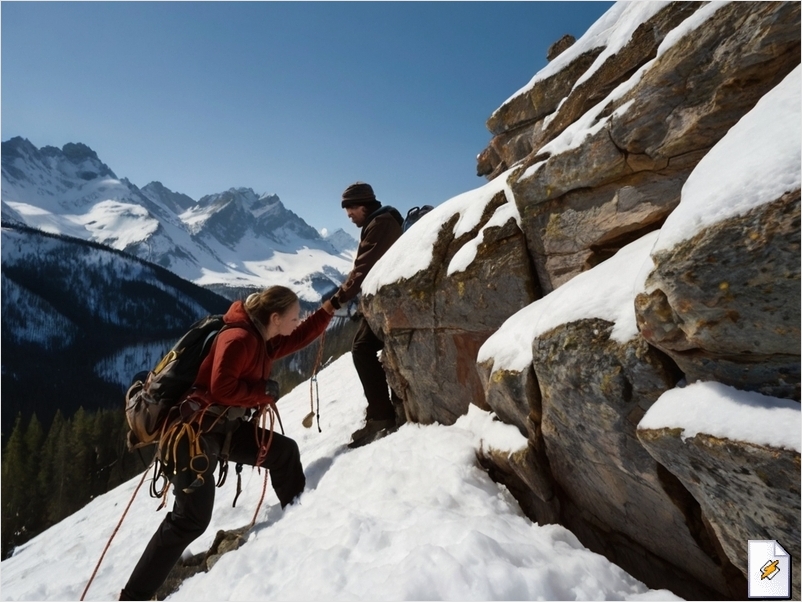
[579, 203]
[560, 46]
[725, 303]
[224, 542]
[756, 488]
[594, 392]
[595, 156]
[737, 453]
[434, 323]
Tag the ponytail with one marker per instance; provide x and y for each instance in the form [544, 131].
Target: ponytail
[272, 300]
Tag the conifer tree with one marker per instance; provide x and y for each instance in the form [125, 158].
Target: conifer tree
[12, 481]
[58, 503]
[34, 437]
[81, 466]
[46, 479]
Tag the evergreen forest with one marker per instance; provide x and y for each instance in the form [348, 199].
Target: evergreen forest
[47, 474]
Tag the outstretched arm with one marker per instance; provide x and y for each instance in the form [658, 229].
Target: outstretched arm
[308, 331]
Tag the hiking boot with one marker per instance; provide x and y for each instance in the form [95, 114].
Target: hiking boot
[372, 427]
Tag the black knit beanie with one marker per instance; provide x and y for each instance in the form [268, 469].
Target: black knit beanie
[359, 193]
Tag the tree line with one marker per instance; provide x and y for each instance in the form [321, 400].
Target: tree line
[47, 474]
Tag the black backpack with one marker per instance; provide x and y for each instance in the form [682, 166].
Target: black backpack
[413, 215]
[153, 394]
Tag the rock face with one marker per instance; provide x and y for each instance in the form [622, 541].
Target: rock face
[725, 304]
[560, 46]
[594, 392]
[594, 154]
[434, 323]
[578, 207]
[756, 487]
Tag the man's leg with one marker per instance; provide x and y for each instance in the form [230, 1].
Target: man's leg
[283, 460]
[371, 373]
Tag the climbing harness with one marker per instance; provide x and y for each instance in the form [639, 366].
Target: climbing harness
[198, 463]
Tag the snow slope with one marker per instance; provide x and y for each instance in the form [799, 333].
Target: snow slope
[408, 517]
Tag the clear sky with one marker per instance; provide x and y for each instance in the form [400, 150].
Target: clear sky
[299, 99]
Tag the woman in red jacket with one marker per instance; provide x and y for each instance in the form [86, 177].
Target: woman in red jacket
[233, 379]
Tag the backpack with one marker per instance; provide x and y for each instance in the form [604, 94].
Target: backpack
[153, 394]
[413, 215]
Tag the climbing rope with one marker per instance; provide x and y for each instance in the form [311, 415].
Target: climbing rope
[314, 392]
[269, 413]
[264, 438]
[117, 528]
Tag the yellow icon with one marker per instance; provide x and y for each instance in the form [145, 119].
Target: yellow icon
[769, 569]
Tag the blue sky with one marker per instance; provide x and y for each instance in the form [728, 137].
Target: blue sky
[299, 99]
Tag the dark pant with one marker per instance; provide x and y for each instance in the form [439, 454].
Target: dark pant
[371, 373]
[192, 512]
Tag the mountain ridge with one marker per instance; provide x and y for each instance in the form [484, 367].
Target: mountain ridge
[235, 238]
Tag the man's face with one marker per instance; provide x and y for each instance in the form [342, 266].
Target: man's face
[357, 214]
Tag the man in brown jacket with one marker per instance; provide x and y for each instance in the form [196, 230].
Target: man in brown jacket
[381, 227]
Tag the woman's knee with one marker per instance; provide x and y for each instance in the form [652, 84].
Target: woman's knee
[192, 512]
[290, 452]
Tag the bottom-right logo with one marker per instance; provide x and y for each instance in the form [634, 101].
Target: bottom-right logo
[769, 570]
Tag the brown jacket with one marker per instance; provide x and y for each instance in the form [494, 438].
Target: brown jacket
[381, 230]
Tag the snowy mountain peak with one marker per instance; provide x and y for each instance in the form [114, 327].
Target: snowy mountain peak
[341, 240]
[72, 160]
[236, 238]
[228, 215]
[174, 201]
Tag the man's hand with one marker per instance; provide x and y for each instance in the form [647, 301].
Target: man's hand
[328, 307]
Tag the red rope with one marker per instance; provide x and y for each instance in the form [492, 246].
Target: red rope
[264, 447]
[117, 528]
[261, 499]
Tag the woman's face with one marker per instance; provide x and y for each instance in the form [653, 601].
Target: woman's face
[288, 321]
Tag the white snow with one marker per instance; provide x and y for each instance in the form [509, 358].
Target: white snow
[408, 517]
[626, 16]
[120, 367]
[412, 252]
[721, 411]
[607, 292]
[118, 224]
[611, 32]
[755, 163]
[49, 194]
[464, 257]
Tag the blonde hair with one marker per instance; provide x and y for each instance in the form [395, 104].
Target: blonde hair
[272, 300]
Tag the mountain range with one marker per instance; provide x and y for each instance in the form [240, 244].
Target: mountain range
[100, 277]
[226, 241]
[79, 319]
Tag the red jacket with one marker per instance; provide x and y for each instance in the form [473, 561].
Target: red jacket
[239, 362]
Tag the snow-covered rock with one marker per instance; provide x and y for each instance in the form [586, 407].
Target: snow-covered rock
[607, 164]
[737, 452]
[723, 298]
[597, 154]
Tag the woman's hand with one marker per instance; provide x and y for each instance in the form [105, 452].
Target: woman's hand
[328, 307]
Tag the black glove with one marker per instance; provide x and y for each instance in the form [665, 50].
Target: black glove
[272, 388]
